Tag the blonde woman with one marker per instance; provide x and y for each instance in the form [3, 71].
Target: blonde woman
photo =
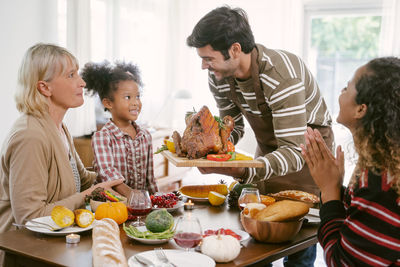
[39, 165]
[360, 224]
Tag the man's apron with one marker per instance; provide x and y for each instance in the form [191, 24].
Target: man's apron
[266, 141]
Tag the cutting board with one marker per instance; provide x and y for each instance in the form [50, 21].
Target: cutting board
[185, 162]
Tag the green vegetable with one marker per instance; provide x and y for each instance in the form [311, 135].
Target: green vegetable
[134, 232]
[159, 220]
[233, 155]
[162, 148]
[239, 187]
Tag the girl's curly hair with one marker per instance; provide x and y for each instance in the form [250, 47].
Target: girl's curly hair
[377, 139]
[103, 78]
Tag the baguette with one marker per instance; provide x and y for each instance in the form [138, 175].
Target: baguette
[107, 249]
[285, 210]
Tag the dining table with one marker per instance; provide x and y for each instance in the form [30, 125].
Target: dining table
[27, 248]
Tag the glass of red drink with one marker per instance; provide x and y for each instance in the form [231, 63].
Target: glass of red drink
[188, 233]
[139, 205]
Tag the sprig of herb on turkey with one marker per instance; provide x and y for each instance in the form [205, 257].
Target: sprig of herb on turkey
[160, 149]
[220, 122]
[190, 113]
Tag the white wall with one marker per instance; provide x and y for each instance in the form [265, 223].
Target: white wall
[22, 24]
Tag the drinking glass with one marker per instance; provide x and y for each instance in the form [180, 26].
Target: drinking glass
[248, 195]
[188, 233]
[139, 205]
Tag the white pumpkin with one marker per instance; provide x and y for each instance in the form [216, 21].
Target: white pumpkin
[222, 248]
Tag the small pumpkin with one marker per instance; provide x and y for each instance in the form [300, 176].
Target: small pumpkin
[222, 248]
[62, 216]
[113, 210]
[83, 217]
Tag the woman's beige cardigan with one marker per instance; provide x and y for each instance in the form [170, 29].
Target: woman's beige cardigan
[35, 172]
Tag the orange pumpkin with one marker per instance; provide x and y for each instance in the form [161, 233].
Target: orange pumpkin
[113, 210]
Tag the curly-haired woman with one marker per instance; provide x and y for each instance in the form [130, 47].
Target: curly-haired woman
[360, 224]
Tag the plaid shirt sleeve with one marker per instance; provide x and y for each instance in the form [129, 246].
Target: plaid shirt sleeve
[103, 157]
[151, 183]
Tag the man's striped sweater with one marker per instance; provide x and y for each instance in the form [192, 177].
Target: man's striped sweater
[294, 99]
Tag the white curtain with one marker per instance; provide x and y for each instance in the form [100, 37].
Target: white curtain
[390, 37]
[152, 34]
[81, 120]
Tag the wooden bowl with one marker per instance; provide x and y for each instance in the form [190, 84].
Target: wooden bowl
[270, 232]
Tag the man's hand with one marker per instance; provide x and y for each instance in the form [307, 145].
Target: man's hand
[326, 170]
[230, 171]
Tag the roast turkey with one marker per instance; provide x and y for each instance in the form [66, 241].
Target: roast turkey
[204, 134]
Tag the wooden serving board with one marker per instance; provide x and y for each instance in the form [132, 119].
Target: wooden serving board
[185, 162]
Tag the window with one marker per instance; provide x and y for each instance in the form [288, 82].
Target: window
[339, 39]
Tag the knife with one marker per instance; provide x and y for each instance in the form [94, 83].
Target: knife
[144, 260]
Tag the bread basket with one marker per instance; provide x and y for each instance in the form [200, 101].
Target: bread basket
[271, 232]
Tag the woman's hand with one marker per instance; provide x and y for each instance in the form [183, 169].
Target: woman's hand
[106, 185]
[326, 170]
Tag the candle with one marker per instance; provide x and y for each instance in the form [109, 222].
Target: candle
[189, 205]
[73, 238]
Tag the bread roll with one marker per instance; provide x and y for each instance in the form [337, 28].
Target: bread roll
[252, 209]
[107, 249]
[284, 210]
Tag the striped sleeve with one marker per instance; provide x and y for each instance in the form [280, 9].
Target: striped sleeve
[367, 234]
[227, 107]
[289, 120]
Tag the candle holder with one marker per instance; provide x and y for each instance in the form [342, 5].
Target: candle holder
[188, 205]
[73, 238]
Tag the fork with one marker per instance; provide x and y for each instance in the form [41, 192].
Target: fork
[162, 257]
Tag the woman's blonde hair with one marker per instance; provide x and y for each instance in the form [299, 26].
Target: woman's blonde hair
[42, 62]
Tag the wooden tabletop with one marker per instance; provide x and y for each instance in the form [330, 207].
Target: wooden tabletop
[26, 248]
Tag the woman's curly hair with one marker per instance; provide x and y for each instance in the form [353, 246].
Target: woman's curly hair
[377, 139]
[103, 78]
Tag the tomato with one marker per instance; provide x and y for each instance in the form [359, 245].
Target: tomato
[231, 147]
[218, 157]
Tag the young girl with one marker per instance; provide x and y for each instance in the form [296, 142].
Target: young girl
[121, 148]
[360, 225]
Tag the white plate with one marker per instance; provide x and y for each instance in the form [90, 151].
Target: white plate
[174, 208]
[147, 241]
[244, 235]
[180, 258]
[49, 220]
[196, 199]
[313, 216]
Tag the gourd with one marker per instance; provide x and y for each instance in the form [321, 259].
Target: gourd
[159, 220]
[113, 210]
[83, 217]
[62, 216]
[222, 248]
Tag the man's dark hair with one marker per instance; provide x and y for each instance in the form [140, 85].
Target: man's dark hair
[222, 27]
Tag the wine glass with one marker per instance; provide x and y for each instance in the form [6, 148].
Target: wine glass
[188, 233]
[139, 205]
[248, 195]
